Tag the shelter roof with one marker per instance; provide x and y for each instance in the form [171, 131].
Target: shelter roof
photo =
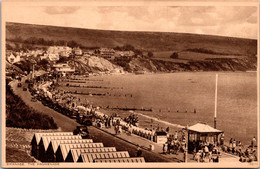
[203, 128]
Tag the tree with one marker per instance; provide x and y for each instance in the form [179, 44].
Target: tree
[9, 47]
[174, 55]
[44, 63]
[60, 42]
[150, 54]
[73, 44]
[138, 52]
[17, 47]
[63, 59]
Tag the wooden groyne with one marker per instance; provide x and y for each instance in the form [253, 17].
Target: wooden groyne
[129, 108]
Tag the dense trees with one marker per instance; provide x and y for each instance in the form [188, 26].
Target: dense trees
[45, 42]
[18, 114]
[44, 63]
[126, 47]
[150, 54]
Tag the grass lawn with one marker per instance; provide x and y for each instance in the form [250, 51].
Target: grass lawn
[15, 155]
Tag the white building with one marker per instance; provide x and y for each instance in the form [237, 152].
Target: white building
[53, 56]
[125, 53]
[77, 51]
[63, 68]
[64, 51]
[106, 53]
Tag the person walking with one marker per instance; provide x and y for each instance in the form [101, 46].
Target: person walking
[163, 148]
[253, 142]
[139, 152]
[234, 146]
[222, 139]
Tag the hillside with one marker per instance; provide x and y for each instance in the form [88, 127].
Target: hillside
[94, 64]
[153, 41]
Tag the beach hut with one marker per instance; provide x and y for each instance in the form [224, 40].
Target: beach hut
[45, 141]
[121, 160]
[200, 134]
[36, 140]
[74, 153]
[64, 149]
[54, 144]
[90, 157]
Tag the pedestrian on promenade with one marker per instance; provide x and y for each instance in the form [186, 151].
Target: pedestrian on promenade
[167, 129]
[230, 142]
[222, 139]
[163, 148]
[168, 148]
[139, 152]
[233, 146]
[253, 142]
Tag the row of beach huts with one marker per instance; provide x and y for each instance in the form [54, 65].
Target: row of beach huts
[66, 147]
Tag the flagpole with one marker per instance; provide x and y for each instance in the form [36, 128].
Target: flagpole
[216, 99]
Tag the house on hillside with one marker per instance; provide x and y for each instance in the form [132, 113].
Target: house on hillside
[53, 56]
[63, 68]
[106, 53]
[63, 51]
[121, 55]
[77, 51]
[125, 53]
[13, 58]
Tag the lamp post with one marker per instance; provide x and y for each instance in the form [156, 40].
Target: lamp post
[216, 99]
[186, 145]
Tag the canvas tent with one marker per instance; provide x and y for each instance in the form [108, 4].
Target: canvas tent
[74, 154]
[64, 149]
[200, 134]
[121, 160]
[45, 141]
[37, 137]
[54, 144]
[90, 157]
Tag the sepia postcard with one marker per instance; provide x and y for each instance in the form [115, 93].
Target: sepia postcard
[130, 84]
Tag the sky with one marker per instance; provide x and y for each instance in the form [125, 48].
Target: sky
[233, 21]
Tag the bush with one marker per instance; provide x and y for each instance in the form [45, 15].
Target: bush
[18, 114]
[174, 55]
[150, 54]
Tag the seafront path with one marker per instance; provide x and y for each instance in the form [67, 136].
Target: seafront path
[121, 141]
[67, 124]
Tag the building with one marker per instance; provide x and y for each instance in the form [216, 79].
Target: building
[106, 53]
[77, 51]
[13, 58]
[125, 53]
[63, 68]
[52, 56]
[63, 51]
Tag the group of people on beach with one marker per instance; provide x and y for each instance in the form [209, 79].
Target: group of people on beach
[246, 154]
[175, 142]
[207, 152]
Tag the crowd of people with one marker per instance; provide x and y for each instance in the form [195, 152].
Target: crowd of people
[246, 154]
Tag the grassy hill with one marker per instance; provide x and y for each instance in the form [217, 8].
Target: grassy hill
[152, 41]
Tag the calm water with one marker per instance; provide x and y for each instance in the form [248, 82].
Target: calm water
[167, 93]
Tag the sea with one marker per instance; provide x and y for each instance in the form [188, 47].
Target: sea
[183, 99]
